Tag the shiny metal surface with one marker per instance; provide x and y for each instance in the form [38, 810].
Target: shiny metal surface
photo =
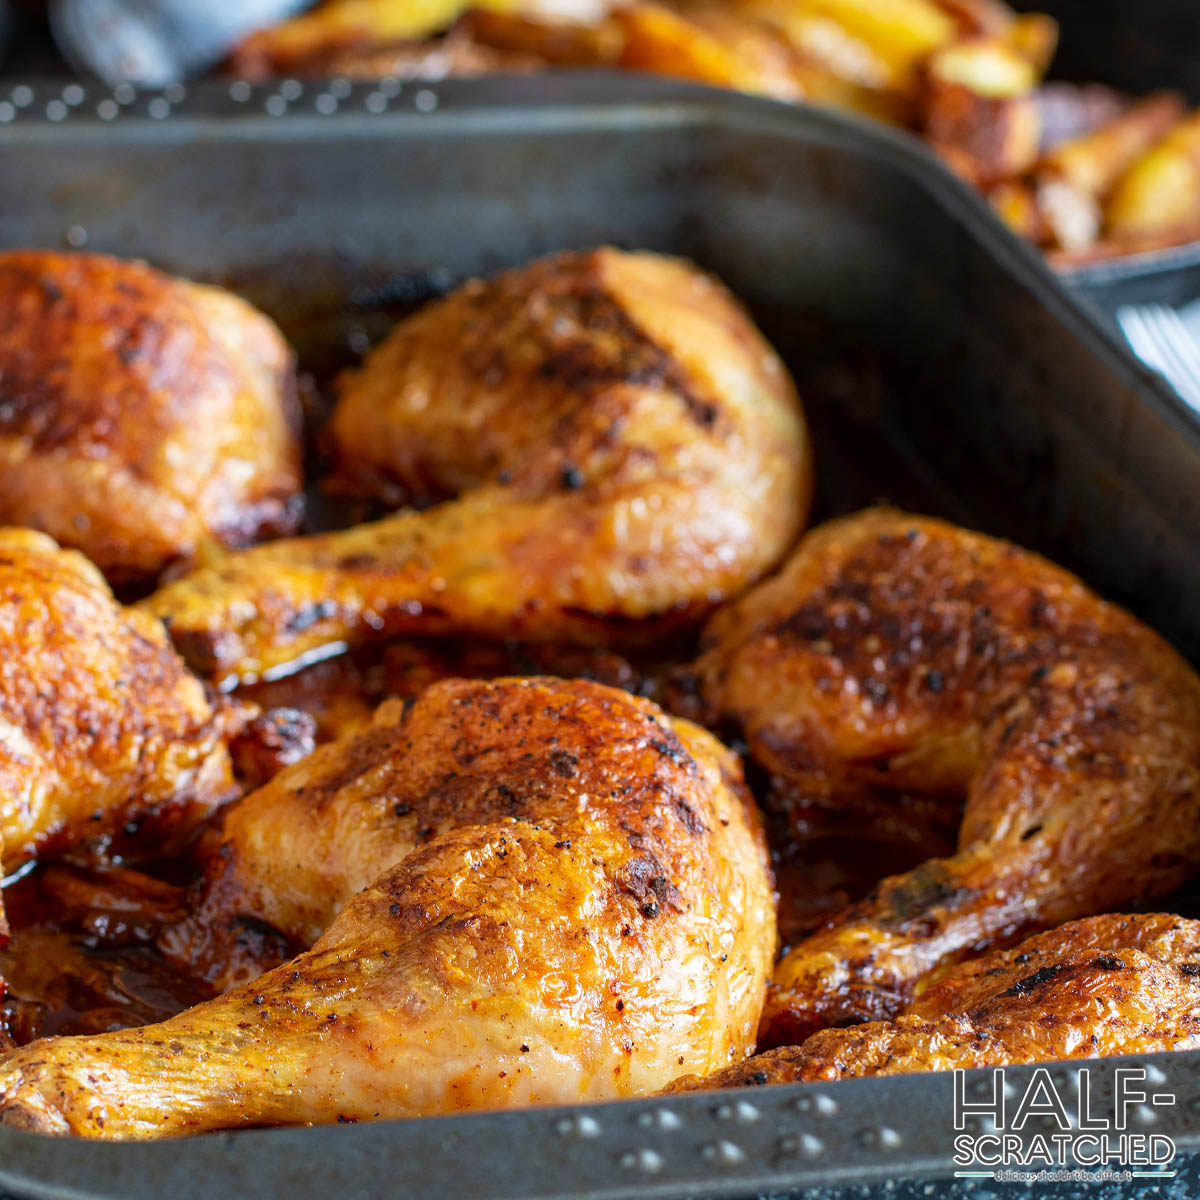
[154, 43]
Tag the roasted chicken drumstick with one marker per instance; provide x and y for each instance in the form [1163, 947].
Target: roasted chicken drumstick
[1090, 989]
[615, 448]
[565, 897]
[103, 730]
[900, 654]
[141, 416]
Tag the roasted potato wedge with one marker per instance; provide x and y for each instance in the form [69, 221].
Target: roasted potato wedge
[902, 31]
[823, 43]
[710, 45]
[835, 67]
[1034, 36]
[1093, 162]
[306, 41]
[1071, 217]
[1074, 177]
[556, 42]
[980, 16]
[1015, 202]
[982, 115]
[1161, 191]
[987, 66]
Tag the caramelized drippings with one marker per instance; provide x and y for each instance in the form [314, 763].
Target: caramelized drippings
[81, 958]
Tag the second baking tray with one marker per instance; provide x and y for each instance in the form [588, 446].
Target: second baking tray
[952, 369]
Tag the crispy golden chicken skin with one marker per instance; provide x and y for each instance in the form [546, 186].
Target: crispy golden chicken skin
[523, 891]
[102, 728]
[899, 654]
[140, 415]
[615, 446]
[292, 854]
[1090, 989]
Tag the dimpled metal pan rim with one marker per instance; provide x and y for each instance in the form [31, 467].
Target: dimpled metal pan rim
[882, 1133]
[737, 1143]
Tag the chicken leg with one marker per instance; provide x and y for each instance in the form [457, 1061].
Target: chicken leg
[141, 416]
[615, 447]
[1104, 986]
[565, 897]
[103, 731]
[899, 654]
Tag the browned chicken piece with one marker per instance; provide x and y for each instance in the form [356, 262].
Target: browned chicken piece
[103, 731]
[141, 416]
[896, 654]
[521, 892]
[616, 447]
[288, 857]
[1091, 989]
[270, 741]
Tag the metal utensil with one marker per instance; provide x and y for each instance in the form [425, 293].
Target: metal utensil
[154, 43]
[1161, 340]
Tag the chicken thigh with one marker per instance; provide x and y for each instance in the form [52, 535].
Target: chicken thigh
[900, 654]
[103, 731]
[140, 415]
[1091, 989]
[615, 447]
[524, 891]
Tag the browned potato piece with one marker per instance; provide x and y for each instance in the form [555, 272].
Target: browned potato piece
[1070, 216]
[1073, 178]
[987, 66]
[1093, 162]
[1035, 37]
[982, 114]
[456, 54]
[140, 415]
[1015, 202]
[903, 32]
[710, 46]
[835, 67]
[1161, 191]
[341, 25]
[821, 41]
[561, 43]
[980, 16]
[774, 66]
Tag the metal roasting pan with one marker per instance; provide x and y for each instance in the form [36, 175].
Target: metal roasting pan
[1005, 402]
